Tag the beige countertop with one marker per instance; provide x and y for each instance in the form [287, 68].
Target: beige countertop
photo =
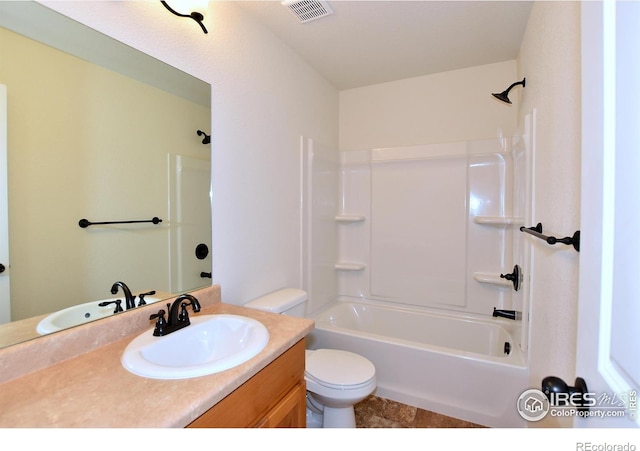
[92, 389]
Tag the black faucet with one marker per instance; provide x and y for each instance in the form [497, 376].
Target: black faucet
[178, 315]
[130, 300]
[509, 314]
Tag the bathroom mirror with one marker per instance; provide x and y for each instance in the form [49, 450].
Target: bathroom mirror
[97, 130]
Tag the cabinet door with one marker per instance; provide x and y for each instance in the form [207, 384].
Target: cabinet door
[290, 412]
[265, 394]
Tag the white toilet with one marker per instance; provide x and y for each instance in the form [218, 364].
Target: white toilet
[336, 380]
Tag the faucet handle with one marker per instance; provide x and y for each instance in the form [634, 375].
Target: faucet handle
[117, 302]
[184, 314]
[160, 323]
[142, 295]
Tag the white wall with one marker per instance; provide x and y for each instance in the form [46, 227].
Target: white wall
[550, 60]
[444, 107]
[263, 98]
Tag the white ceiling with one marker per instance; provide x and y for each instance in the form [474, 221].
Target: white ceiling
[368, 42]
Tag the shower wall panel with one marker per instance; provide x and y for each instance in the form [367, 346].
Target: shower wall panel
[354, 236]
[437, 229]
[418, 230]
[319, 187]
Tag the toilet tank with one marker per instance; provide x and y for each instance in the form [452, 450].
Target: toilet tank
[288, 301]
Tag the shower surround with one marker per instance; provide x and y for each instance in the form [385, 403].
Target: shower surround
[435, 225]
[424, 234]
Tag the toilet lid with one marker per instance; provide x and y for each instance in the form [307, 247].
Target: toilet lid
[331, 366]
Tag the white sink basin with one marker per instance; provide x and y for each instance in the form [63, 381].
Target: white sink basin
[212, 343]
[80, 314]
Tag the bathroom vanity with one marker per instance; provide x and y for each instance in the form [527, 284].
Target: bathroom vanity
[75, 378]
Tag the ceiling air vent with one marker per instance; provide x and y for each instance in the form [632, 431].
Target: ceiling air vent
[308, 10]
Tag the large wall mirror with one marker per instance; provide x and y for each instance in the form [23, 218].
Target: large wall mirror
[97, 130]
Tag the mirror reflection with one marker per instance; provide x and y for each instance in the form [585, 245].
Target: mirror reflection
[114, 140]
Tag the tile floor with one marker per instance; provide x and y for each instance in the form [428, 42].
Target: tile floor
[376, 412]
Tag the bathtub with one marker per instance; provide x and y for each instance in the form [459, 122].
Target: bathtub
[468, 368]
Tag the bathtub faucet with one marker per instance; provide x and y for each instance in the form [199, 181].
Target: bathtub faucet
[509, 314]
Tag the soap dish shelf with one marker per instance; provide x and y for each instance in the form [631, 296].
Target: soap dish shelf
[350, 266]
[498, 220]
[347, 219]
[491, 279]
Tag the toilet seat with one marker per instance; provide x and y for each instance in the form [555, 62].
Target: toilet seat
[340, 370]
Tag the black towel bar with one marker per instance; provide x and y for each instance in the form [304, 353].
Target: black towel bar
[537, 232]
[84, 223]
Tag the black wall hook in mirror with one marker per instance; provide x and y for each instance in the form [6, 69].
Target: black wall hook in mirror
[206, 139]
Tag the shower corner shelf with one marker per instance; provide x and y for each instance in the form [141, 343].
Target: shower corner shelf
[491, 279]
[498, 220]
[350, 266]
[349, 218]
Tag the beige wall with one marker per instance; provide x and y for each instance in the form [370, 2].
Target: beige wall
[85, 142]
[550, 60]
[444, 107]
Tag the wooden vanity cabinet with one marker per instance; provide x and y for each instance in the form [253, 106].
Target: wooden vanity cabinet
[274, 397]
